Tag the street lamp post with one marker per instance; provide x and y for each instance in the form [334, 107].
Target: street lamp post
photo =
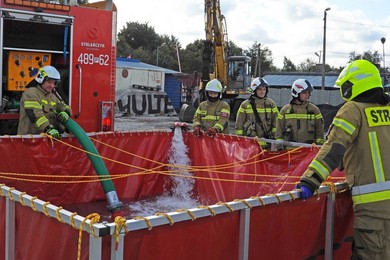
[178, 56]
[324, 50]
[319, 56]
[158, 47]
[383, 40]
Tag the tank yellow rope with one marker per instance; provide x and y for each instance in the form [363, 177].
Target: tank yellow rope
[94, 218]
[226, 205]
[212, 212]
[170, 220]
[147, 221]
[192, 216]
[120, 223]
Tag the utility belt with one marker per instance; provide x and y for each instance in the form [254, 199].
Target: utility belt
[252, 129]
[373, 192]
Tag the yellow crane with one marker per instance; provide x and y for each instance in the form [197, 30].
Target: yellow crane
[234, 72]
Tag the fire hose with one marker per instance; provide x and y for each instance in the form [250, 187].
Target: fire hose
[114, 205]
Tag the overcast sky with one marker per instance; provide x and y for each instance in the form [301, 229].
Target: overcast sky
[288, 28]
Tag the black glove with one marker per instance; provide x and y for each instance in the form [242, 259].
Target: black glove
[197, 131]
[53, 132]
[62, 117]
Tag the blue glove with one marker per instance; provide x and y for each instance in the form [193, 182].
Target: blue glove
[54, 133]
[62, 117]
[306, 193]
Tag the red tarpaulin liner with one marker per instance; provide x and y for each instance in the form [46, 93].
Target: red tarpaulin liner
[225, 168]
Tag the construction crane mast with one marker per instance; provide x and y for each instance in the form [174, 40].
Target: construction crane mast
[215, 51]
[234, 72]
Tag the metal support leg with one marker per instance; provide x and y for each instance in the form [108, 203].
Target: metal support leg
[329, 232]
[244, 233]
[118, 253]
[10, 230]
[95, 248]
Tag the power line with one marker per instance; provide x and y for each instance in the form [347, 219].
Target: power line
[383, 26]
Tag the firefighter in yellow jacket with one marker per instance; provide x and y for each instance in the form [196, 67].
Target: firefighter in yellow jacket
[359, 140]
[40, 109]
[212, 115]
[257, 115]
[300, 120]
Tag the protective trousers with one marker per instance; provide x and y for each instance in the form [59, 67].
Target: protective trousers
[371, 238]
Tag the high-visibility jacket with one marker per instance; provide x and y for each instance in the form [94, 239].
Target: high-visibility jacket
[359, 139]
[246, 119]
[38, 110]
[212, 114]
[300, 122]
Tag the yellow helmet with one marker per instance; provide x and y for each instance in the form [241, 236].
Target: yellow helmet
[358, 77]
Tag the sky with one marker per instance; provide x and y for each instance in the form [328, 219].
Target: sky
[292, 29]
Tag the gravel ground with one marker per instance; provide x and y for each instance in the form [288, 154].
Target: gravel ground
[145, 123]
[151, 123]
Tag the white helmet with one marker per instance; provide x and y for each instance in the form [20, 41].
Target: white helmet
[214, 85]
[258, 82]
[299, 86]
[47, 72]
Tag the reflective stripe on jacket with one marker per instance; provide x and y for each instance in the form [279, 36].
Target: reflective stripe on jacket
[363, 130]
[268, 112]
[212, 114]
[301, 123]
[38, 110]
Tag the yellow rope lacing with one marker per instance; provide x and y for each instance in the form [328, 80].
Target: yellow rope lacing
[173, 170]
[147, 221]
[331, 185]
[94, 218]
[226, 205]
[170, 220]
[209, 208]
[120, 223]
[192, 216]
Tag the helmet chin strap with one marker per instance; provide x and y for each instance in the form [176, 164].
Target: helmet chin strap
[212, 99]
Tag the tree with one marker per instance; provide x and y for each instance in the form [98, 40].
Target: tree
[234, 50]
[191, 57]
[288, 65]
[374, 58]
[140, 41]
[309, 65]
[261, 56]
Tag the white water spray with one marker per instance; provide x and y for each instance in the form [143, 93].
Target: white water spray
[182, 186]
[181, 196]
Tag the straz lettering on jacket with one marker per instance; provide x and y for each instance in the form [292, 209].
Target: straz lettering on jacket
[378, 116]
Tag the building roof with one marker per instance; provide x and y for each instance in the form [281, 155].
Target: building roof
[283, 80]
[137, 64]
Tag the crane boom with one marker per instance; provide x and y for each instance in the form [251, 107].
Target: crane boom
[216, 44]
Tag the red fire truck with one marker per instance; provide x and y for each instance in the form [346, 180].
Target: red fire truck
[79, 40]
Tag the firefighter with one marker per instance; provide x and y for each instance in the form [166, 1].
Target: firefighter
[358, 141]
[257, 115]
[212, 115]
[40, 109]
[300, 120]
